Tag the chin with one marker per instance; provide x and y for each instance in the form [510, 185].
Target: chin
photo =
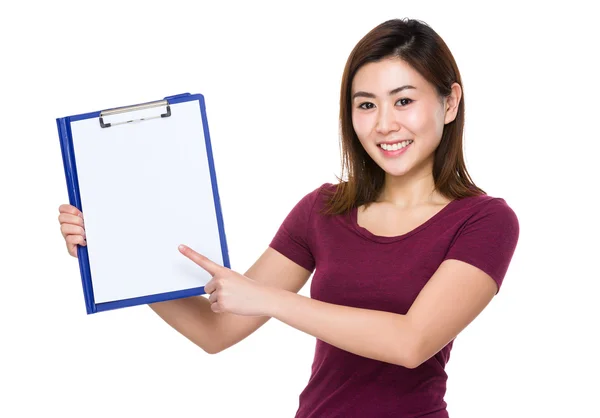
[395, 166]
[395, 172]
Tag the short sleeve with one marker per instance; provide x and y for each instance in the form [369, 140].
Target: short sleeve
[488, 240]
[292, 239]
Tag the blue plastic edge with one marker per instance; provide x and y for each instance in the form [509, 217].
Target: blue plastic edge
[144, 300]
[213, 177]
[66, 143]
[70, 167]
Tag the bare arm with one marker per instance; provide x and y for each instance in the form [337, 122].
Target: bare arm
[214, 332]
[192, 316]
[453, 297]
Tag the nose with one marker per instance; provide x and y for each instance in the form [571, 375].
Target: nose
[386, 121]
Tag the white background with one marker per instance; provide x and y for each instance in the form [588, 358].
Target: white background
[270, 74]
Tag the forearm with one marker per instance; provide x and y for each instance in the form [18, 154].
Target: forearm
[378, 335]
[191, 317]
[213, 332]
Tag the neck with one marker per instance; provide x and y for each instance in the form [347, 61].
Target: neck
[408, 190]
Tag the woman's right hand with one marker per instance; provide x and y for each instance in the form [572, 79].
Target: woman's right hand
[72, 227]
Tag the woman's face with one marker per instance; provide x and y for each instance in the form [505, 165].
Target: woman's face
[392, 103]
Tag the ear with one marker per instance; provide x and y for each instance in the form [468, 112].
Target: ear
[451, 103]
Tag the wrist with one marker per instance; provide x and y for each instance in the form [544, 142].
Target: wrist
[275, 297]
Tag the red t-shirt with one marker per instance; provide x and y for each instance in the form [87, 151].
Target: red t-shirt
[354, 267]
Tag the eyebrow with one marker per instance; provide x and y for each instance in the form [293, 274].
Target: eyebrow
[391, 93]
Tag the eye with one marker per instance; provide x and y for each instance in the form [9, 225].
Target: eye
[405, 99]
[366, 105]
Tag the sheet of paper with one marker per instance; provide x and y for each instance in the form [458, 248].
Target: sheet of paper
[146, 188]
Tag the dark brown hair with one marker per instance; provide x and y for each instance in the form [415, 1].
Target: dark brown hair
[420, 46]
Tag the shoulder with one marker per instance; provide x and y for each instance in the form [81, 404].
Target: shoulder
[318, 195]
[486, 236]
[309, 202]
[493, 211]
[484, 203]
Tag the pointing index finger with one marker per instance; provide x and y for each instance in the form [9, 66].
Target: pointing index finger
[199, 259]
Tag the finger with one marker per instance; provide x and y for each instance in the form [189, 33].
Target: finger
[72, 246]
[209, 287]
[72, 250]
[212, 285]
[70, 209]
[74, 240]
[213, 297]
[215, 307]
[67, 218]
[70, 229]
[199, 259]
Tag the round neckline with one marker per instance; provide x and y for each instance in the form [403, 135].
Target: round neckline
[385, 239]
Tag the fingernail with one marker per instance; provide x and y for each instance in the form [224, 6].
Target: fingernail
[181, 247]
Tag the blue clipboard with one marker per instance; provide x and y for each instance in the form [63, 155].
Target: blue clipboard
[145, 179]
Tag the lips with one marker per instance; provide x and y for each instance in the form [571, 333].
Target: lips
[395, 145]
[397, 141]
[393, 153]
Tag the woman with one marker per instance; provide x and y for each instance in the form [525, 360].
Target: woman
[406, 250]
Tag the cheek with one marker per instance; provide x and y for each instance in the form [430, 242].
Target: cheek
[416, 121]
[422, 125]
[362, 124]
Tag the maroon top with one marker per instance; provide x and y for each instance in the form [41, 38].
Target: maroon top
[357, 268]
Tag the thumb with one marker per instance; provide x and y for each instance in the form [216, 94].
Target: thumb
[202, 261]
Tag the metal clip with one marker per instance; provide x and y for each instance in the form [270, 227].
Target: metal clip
[125, 109]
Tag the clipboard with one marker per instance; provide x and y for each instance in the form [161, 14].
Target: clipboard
[145, 179]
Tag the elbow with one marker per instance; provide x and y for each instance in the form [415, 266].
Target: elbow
[413, 361]
[409, 359]
[412, 356]
[209, 348]
[215, 348]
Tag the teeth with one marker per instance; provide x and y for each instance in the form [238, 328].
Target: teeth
[396, 146]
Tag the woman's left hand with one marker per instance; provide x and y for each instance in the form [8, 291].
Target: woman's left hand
[230, 291]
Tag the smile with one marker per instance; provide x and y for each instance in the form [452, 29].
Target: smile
[396, 146]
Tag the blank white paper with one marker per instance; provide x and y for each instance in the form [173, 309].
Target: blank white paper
[146, 188]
